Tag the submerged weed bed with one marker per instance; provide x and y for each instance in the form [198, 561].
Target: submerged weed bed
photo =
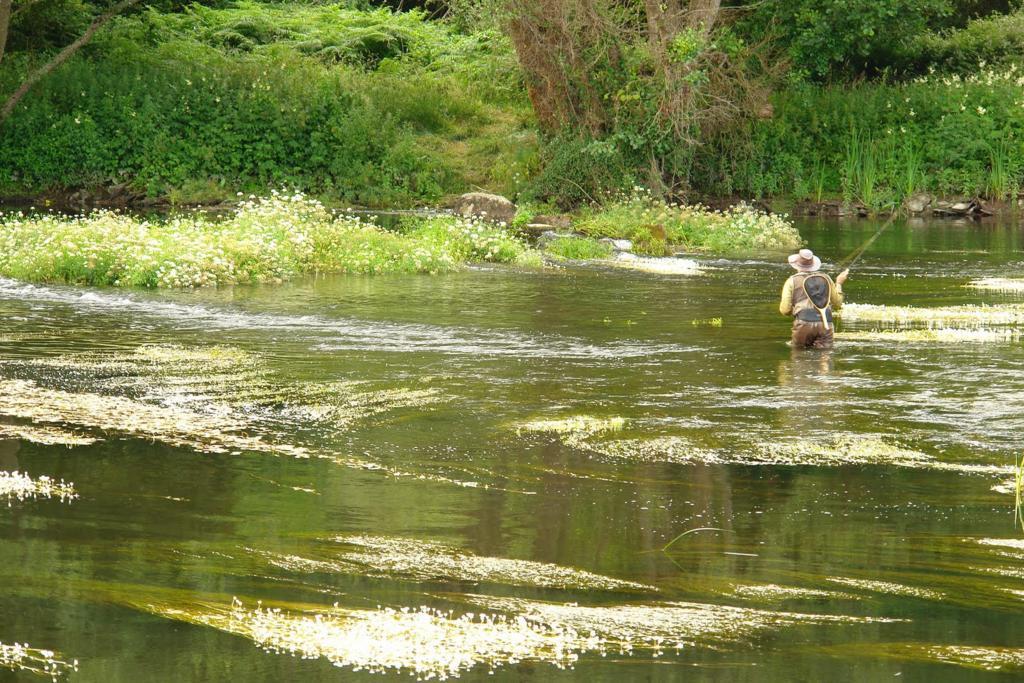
[434, 644]
[942, 335]
[28, 659]
[942, 317]
[264, 241]
[998, 284]
[20, 486]
[414, 560]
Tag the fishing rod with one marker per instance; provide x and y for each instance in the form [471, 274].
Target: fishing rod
[854, 256]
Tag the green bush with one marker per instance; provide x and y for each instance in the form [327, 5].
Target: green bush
[993, 40]
[175, 105]
[843, 38]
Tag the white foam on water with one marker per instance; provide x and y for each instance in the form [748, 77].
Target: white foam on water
[343, 334]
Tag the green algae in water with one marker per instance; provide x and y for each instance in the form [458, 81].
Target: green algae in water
[20, 486]
[658, 626]
[943, 316]
[998, 284]
[27, 659]
[574, 431]
[424, 642]
[427, 560]
[45, 436]
[950, 335]
[430, 643]
[175, 425]
[889, 588]
[410, 559]
[771, 592]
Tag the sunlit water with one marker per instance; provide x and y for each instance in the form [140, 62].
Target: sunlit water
[519, 445]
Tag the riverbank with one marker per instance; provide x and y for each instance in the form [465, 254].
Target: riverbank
[287, 235]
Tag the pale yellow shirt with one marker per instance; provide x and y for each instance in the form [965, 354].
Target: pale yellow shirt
[786, 304]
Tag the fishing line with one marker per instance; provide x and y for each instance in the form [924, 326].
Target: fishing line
[852, 259]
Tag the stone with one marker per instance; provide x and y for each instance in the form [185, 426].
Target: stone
[918, 203]
[491, 207]
[557, 220]
[617, 245]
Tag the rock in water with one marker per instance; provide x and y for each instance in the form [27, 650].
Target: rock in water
[491, 207]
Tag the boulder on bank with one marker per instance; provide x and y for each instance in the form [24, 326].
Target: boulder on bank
[918, 203]
[964, 207]
[491, 207]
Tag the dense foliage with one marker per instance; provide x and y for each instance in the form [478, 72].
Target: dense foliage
[357, 102]
[876, 143]
[353, 104]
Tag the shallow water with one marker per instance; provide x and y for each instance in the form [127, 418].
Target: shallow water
[512, 450]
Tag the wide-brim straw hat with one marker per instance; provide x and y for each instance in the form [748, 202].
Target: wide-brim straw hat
[805, 261]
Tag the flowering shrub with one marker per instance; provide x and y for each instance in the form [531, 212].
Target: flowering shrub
[265, 240]
[655, 226]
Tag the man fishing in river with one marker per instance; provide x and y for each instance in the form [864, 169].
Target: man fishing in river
[810, 297]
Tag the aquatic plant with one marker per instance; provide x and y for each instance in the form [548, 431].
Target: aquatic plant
[176, 425]
[975, 657]
[46, 436]
[266, 240]
[775, 592]
[658, 626]
[708, 322]
[941, 335]
[433, 644]
[888, 588]
[997, 284]
[573, 431]
[1018, 490]
[23, 657]
[19, 486]
[410, 559]
[839, 450]
[943, 316]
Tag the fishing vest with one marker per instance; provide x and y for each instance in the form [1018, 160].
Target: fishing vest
[812, 297]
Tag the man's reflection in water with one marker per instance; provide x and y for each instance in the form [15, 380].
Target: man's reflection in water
[813, 398]
[9, 455]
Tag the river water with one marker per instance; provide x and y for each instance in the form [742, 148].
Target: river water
[521, 445]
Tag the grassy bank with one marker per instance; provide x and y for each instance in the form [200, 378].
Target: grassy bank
[263, 241]
[876, 143]
[658, 228]
[370, 107]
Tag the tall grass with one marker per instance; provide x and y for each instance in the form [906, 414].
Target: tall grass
[877, 141]
[1003, 182]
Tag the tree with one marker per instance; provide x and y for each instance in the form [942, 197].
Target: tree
[648, 77]
[64, 55]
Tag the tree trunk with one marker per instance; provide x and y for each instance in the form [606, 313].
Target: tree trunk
[5, 23]
[63, 56]
[703, 14]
